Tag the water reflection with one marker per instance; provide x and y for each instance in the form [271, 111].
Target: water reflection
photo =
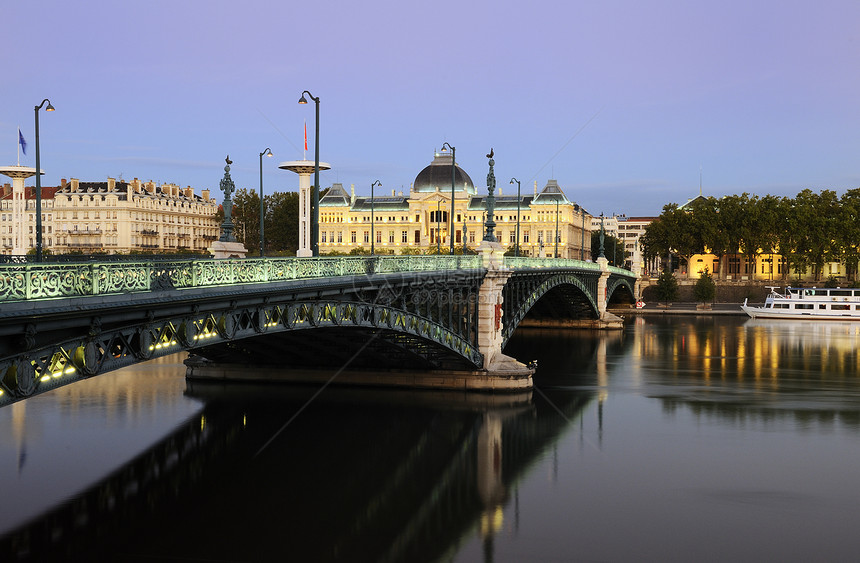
[359, 475]
[741, 369]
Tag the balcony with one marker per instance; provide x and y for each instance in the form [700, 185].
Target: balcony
[149, 233]
[76, 232]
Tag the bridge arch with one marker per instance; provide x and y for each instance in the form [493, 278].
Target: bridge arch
[525, 290]
[429, 341]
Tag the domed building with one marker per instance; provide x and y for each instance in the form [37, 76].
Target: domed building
[420, 222]
[437, 176]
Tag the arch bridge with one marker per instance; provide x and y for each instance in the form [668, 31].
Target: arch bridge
[387, 317]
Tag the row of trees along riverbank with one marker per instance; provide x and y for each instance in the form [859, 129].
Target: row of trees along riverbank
[807, 231]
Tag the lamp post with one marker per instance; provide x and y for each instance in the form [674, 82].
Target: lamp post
[453, 174]
[372, 232]
[315, 190]
[517, 244]
[39, 183]
[267, 152]
[556, 228]
[438, 230]
[464, 234]
[582, 238]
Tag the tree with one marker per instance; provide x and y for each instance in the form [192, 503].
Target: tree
[667, 286]
[705, 288]
[282, 222]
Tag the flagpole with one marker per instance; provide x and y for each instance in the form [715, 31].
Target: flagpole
[19, 146]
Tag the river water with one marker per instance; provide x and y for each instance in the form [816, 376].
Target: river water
[677, 439]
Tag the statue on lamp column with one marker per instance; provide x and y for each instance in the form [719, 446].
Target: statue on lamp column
[227, 246]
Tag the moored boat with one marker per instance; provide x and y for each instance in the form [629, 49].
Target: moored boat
[813, 303]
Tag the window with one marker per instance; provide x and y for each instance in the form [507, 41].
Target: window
[366, 236]
[378, 236]
[391, 237]
[404, 236]
[417, 236]
[352, 238]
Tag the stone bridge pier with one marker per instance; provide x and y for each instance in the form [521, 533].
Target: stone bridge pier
[490, 311]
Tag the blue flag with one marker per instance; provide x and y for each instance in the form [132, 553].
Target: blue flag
[22, 141]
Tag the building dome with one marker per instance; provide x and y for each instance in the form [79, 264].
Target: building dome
[438, 176]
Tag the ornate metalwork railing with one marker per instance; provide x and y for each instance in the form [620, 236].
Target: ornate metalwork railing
[29, 281]
[519, 263]
[21, 282]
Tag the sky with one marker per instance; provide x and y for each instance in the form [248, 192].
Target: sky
[628, 104]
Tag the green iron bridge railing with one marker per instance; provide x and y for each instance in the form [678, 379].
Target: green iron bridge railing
[40, 281]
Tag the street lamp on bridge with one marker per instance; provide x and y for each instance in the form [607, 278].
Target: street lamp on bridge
[315, 190]
[267, 152]
[372, 232]
[39, 183]
[517, 244]
[453, 174]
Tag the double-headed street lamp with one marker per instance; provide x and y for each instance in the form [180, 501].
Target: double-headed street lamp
[453, 173]
[517, 246]
[315, 191]
[372, 232]
[39, 183]
[267, 152]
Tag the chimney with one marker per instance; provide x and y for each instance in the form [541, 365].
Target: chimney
[135, 185]
[535, 188]
[392, 193]
[63, 182]
[111, 184]
[205, 195]
[189, 192]
[75, 183]
[351, 194]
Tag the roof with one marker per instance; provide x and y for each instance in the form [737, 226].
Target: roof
[551, 194]
[438, 176]
[336, 196]
[385, 203]
[503, 203]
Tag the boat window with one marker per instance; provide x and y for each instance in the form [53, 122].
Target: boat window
[781, 306]
[839, 307]
[841, 292]
[804, 306]
[818, 292]
[822, 306]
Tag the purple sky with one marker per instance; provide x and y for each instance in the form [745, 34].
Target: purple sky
[623, 102]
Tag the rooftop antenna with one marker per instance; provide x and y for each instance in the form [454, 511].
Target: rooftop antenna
[700, 180]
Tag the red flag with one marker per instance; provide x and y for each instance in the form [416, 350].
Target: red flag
[306, 135]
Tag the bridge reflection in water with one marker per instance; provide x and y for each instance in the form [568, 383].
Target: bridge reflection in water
[357, 475]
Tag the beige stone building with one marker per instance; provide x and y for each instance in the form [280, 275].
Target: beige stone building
[121, 217]
[420, 222]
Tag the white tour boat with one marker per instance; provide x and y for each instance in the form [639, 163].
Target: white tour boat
[814, 303]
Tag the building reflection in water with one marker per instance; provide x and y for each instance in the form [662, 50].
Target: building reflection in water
[741, 368]
[390, 475]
